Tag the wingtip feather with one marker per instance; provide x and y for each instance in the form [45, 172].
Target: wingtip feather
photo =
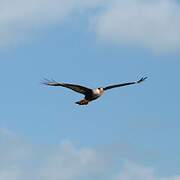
[142, 79]
[47, 82]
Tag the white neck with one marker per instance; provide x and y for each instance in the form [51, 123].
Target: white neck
[98, 91]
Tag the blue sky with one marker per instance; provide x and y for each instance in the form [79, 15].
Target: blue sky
[129, 133]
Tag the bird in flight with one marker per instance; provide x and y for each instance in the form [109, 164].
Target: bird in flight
[89, 94]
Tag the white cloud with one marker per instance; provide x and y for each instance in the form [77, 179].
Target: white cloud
[20, 160]
[132, 171]
[70, 163]
[152, 24]
[135, 172]
[18, 17]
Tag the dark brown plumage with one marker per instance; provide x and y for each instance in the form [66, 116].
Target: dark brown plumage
[90, 94]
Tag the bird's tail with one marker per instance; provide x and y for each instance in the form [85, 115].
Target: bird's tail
[82, 102]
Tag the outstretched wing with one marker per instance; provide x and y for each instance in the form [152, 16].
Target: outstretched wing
[74, 87]
[125, 84]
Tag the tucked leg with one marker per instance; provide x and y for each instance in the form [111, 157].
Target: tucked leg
[82, 102]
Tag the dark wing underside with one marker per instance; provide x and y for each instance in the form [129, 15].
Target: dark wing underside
[74, 87]
[125, 84]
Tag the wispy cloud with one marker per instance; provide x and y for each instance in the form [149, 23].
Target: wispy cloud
[151, 24]
[21, 160]
[18, 18]
[69, 162]
[132, 171]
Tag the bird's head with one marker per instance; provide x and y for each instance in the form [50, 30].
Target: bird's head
[101, 90]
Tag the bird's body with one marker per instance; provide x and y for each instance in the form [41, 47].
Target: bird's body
[90, 94]
[95, 93]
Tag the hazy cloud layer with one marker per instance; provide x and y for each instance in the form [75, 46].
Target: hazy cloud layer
[152, 24]
[21, 160]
